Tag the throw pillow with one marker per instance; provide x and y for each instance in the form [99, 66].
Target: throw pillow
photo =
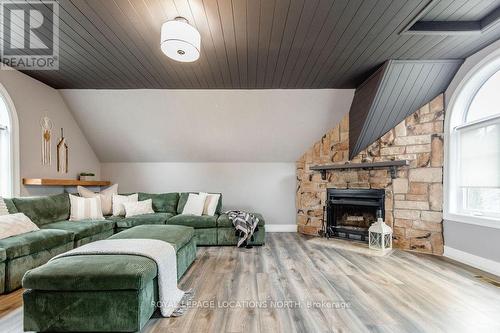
[3, 207]
[15, 224]
[195, 204]
[105, 195]
[85, 208]
[138, 208]
[118, 200]
[211, 204]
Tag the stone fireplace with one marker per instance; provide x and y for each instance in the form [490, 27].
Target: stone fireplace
[350, 212]
[413, 198]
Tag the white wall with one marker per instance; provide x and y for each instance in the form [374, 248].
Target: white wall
[206, 125]
[267, 188]
[242, 143]
[33, 100]
[473, 244]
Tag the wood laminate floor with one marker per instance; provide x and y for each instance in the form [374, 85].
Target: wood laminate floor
[297, 284]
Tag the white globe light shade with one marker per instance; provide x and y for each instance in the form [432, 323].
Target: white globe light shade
[180, 41]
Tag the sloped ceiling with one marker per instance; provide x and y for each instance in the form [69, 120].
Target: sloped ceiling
[205, 125]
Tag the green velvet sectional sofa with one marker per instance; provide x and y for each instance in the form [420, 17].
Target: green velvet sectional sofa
[19, 254]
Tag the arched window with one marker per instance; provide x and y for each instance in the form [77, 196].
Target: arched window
[9, 151]
[474, 148]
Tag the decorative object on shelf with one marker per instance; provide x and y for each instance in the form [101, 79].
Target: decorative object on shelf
[46, 124]
[180, 40]
[86, 176]
[62, 154]
[380, 234]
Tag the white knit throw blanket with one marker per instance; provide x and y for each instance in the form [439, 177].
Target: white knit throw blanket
[163, 253]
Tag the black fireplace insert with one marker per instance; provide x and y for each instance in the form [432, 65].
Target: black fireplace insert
[350, 212]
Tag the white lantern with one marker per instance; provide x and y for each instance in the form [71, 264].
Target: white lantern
[380, 235]
[180, 40]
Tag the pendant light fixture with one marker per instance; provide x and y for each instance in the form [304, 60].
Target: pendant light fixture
[180, 40]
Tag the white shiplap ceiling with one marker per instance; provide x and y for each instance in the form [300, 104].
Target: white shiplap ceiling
[205, 125]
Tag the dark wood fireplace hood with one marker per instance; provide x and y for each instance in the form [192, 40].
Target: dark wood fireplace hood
[396, 90]
[392, 165]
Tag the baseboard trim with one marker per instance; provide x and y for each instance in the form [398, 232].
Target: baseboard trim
[281, 228]
[478, 262]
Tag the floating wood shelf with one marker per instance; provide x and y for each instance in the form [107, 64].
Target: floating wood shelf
[64, 182]
[389, 164]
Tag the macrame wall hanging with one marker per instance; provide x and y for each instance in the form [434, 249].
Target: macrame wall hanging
[62, 154]
[46, 125]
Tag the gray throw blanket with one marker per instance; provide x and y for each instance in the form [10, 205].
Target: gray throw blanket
[245, 225]
[172, 301]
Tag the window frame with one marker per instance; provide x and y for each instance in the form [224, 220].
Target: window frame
[457, 110]
[13, 132]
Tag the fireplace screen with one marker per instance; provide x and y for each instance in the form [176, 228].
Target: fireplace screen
[351, 212]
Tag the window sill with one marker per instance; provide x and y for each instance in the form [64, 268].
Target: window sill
[483, 221]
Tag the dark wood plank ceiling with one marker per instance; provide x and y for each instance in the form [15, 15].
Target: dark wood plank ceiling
[252, 43]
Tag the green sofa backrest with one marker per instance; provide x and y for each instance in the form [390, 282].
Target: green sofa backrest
[10, 206]
[183, 199]
[163, 202]
[46, 209]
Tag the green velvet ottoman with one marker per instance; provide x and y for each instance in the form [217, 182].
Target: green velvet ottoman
[3, 257]
[226, 235]
[182, 238]
[90, 293]
[104, 293]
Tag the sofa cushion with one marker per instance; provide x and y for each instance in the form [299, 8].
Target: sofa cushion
[92, 272]
[194, 221]
[118, 200]
[211, 203]
[106, 196]
[224, 222]
[177, 235]
[15, 224]
[195, 204]
[43, 210]
[163, 202]
[82, 229]
[36, 241]
[129, 222]
[183, 197]
[85, 208]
